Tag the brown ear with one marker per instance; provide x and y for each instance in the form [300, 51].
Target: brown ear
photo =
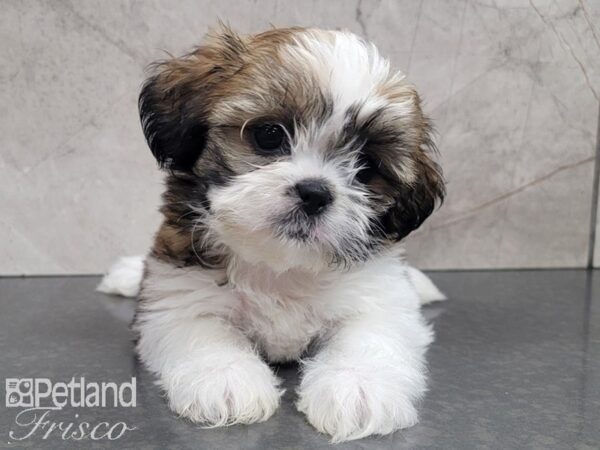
[416, 200]
[175, 101]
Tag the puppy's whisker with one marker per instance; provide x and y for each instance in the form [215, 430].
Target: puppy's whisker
[242, 129]
[193, 242]
[255, 165]
[185, 215]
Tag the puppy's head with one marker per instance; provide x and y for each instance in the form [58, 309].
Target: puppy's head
[294, 147]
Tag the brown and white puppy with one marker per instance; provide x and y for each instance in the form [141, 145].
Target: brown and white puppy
[296, 161]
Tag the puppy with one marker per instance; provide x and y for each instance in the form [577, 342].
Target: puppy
[296, 162]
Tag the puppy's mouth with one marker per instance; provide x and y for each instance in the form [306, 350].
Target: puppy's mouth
[300, 227]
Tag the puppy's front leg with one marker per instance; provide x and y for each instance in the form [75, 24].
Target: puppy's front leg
[208, 368]
[368, 375]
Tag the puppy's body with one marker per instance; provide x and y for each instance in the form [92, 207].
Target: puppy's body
[298, 161]
[281, 313]
[205, 340]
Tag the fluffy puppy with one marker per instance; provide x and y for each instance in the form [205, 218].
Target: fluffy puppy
[296, 162]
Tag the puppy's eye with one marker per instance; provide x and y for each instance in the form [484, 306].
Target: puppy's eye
[269, 137]
[368, 169]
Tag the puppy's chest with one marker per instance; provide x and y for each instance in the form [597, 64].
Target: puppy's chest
[282, 326]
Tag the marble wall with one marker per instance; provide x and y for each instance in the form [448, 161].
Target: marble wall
[513, 87]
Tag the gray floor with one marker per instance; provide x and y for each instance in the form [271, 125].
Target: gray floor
[516, 364]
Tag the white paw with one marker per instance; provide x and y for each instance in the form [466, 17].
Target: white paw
[124, 277]
[351, 403]
[426, 290]
[217, 394]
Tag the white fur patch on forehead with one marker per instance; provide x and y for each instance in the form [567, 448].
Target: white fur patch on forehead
[346, 67]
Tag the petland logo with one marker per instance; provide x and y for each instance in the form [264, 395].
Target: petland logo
[41, 396]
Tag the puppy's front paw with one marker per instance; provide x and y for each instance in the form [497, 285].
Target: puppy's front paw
[216, 393]
[352, 403]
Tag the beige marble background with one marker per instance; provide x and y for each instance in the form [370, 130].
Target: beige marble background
[513, 86]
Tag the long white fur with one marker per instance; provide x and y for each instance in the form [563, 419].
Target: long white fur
[203, 341]
[207, 333]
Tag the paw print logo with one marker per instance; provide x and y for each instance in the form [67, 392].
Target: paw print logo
[19, 392]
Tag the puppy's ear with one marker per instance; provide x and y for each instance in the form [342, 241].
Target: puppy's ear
[416, 199]
[175, 101]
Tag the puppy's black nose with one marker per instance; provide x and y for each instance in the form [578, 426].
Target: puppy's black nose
[315, 196]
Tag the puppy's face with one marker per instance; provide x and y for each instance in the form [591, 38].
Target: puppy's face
[295, 147]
